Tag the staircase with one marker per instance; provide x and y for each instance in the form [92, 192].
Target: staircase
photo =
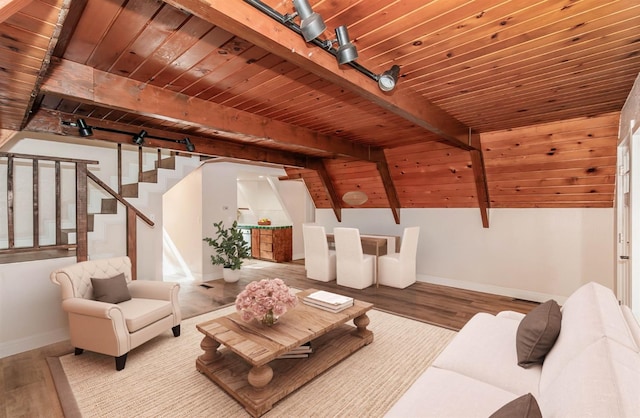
[153, 183]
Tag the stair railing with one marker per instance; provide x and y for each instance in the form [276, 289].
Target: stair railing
[81, 203]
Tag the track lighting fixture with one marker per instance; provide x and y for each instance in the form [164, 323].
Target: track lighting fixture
[139, 138]
[83, 129]
[389, 78]
[311, 23]
[346, 50]
[312, 26]
[190, 147]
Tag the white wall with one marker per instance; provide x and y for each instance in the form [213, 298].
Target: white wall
[296, 199]
[260, 194]
[219, 203]
[30, 306]
[182, 221]
[534, 254]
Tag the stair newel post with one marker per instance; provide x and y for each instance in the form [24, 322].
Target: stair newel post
[132, 220]
[58, 203]
[120, 169]
[81, 212]
[35, 165]
[140, 165]
[10, 219]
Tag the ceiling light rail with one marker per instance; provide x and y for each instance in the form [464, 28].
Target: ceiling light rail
[137, 137]
[312, 26]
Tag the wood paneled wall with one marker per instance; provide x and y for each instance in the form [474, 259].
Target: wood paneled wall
[564, 164]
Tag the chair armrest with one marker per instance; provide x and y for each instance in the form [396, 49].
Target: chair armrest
[97, 326]
[147, 289]
[88, 307]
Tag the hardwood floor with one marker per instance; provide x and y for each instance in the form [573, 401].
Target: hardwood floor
[27, 387]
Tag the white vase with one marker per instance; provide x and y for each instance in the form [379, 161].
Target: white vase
[230, 276]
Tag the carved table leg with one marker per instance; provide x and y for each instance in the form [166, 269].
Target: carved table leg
[361, 323]
[260, 376]
[211, 353]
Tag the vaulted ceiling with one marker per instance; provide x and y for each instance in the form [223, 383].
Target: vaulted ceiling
[498, 104]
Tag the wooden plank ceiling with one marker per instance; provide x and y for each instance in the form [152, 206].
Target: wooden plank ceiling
[531, 89]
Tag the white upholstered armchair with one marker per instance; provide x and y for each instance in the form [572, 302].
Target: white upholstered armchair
[127, 313]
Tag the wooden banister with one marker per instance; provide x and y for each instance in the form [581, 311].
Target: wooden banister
[119, 198]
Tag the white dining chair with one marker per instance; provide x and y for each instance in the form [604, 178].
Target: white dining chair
[319, 260]
[399, 269]
[354, 268]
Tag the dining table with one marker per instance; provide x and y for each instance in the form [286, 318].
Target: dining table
[374, 244]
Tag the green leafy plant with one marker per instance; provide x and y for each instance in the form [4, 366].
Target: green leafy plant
[229, 246]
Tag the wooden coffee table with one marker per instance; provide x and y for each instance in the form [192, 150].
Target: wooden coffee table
[246, 365]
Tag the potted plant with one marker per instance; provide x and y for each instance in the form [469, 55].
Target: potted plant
[230, 250]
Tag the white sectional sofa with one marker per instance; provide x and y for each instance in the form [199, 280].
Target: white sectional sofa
[593, 369]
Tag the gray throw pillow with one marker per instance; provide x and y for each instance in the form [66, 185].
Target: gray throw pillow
[525, 406]
[537, 333]
[111, 290]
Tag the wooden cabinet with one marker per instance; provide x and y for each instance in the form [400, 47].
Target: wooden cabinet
[271, 243]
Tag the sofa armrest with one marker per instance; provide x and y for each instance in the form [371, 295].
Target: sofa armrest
[632, 323]
[147, 289]
[517, 316]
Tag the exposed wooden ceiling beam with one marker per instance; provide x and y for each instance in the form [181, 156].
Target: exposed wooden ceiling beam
[84, 84]
[389, 188]
[68, 28]
[51, 122]
[334, 200]
[248, 23]
[9, 7]
[480, 176]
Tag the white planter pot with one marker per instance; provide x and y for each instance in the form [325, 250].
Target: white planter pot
[230, 276]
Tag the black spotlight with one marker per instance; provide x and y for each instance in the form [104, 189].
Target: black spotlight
[189, 145]
[83, 128]
[139, 139]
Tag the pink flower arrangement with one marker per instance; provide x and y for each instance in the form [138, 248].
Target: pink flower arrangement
[268, 297]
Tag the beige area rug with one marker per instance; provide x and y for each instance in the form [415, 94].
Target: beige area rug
[160, 378]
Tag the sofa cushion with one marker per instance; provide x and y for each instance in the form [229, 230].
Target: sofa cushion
[111, 290]
[603, 380]
[138, 313]
[590, 313]
[537, 333]
[443, 393]
[525, 406]
[485, 350]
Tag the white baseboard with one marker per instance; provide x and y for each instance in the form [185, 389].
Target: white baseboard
[496, 290]
[34, 341]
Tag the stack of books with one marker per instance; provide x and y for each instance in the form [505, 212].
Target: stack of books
[302, 351]
[328, 301]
